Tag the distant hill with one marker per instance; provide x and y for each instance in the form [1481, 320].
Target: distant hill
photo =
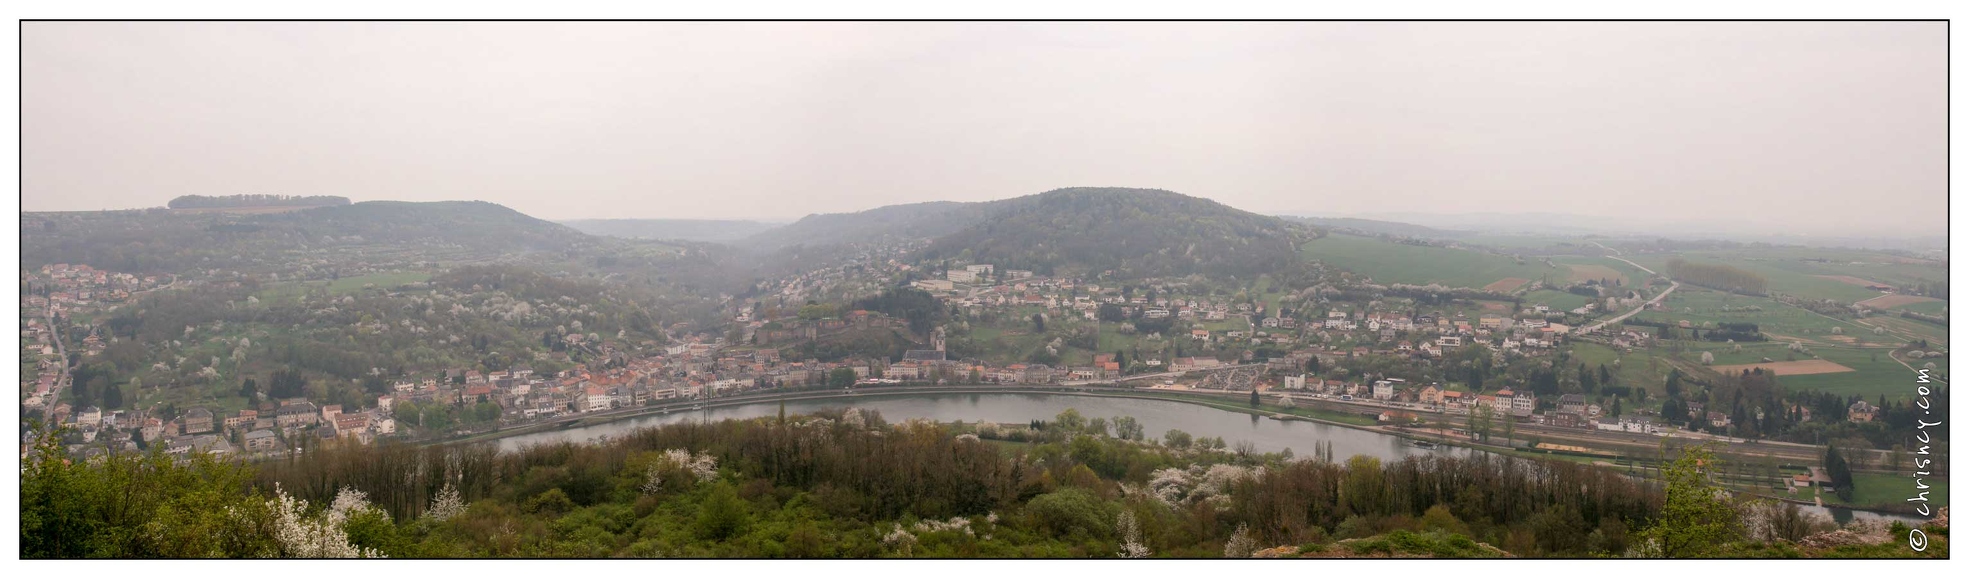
[680, 229]
[892, 222]
[1375, 226]
[1137, 232]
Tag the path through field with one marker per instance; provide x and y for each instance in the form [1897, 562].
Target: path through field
[1672, 286]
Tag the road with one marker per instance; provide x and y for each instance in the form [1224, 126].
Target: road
[61, 356]
[1155, 376]
[1672, 286]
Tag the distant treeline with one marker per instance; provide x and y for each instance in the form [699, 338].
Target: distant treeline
[1925, 318]
[209, 202]
[1726, 331]
[1933, 289]
[1429, 295]
[1716, 276]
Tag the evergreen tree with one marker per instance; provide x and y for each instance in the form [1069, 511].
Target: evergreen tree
[1839, 471]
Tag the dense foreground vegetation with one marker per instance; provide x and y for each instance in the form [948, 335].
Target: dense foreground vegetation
[848, 485]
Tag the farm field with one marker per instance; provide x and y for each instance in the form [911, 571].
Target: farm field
[1894, 301]
[1389, 262]
[1792, 368]
[1873, 373]
[1834, 278]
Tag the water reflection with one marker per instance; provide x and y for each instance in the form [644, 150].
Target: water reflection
[1156, 417]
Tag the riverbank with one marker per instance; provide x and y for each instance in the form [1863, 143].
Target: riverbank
[1352, 415]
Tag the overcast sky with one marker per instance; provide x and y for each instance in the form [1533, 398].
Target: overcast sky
[1822, 127]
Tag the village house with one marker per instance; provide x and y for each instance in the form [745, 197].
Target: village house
[298, 413]
[260, 441]
[1573, 404]
[1860, 411]
[198, 421]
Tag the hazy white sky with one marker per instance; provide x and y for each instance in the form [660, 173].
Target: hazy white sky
[1822, 127]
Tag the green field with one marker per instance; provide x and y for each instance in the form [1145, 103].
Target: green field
[1532, 244]
[1639, 368]
[1707, 307]
[1876, 374]
[1389, 262]
[1906, 329]
[1875, 489]
[1930, 308]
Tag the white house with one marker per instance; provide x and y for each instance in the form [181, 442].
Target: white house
[1295, 382]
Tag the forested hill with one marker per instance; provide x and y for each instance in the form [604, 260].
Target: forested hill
[893, 222]
[723, 231]
[1137, 232]
[376, 233]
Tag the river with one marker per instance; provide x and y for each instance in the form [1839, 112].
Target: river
[1155, 416]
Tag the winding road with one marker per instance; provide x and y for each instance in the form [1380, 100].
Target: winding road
[1672, 286]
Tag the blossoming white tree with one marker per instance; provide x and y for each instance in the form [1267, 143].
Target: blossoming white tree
[1131, 537]
[446, 504]
[301, 536]
[1241, 545]
[900, 540]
